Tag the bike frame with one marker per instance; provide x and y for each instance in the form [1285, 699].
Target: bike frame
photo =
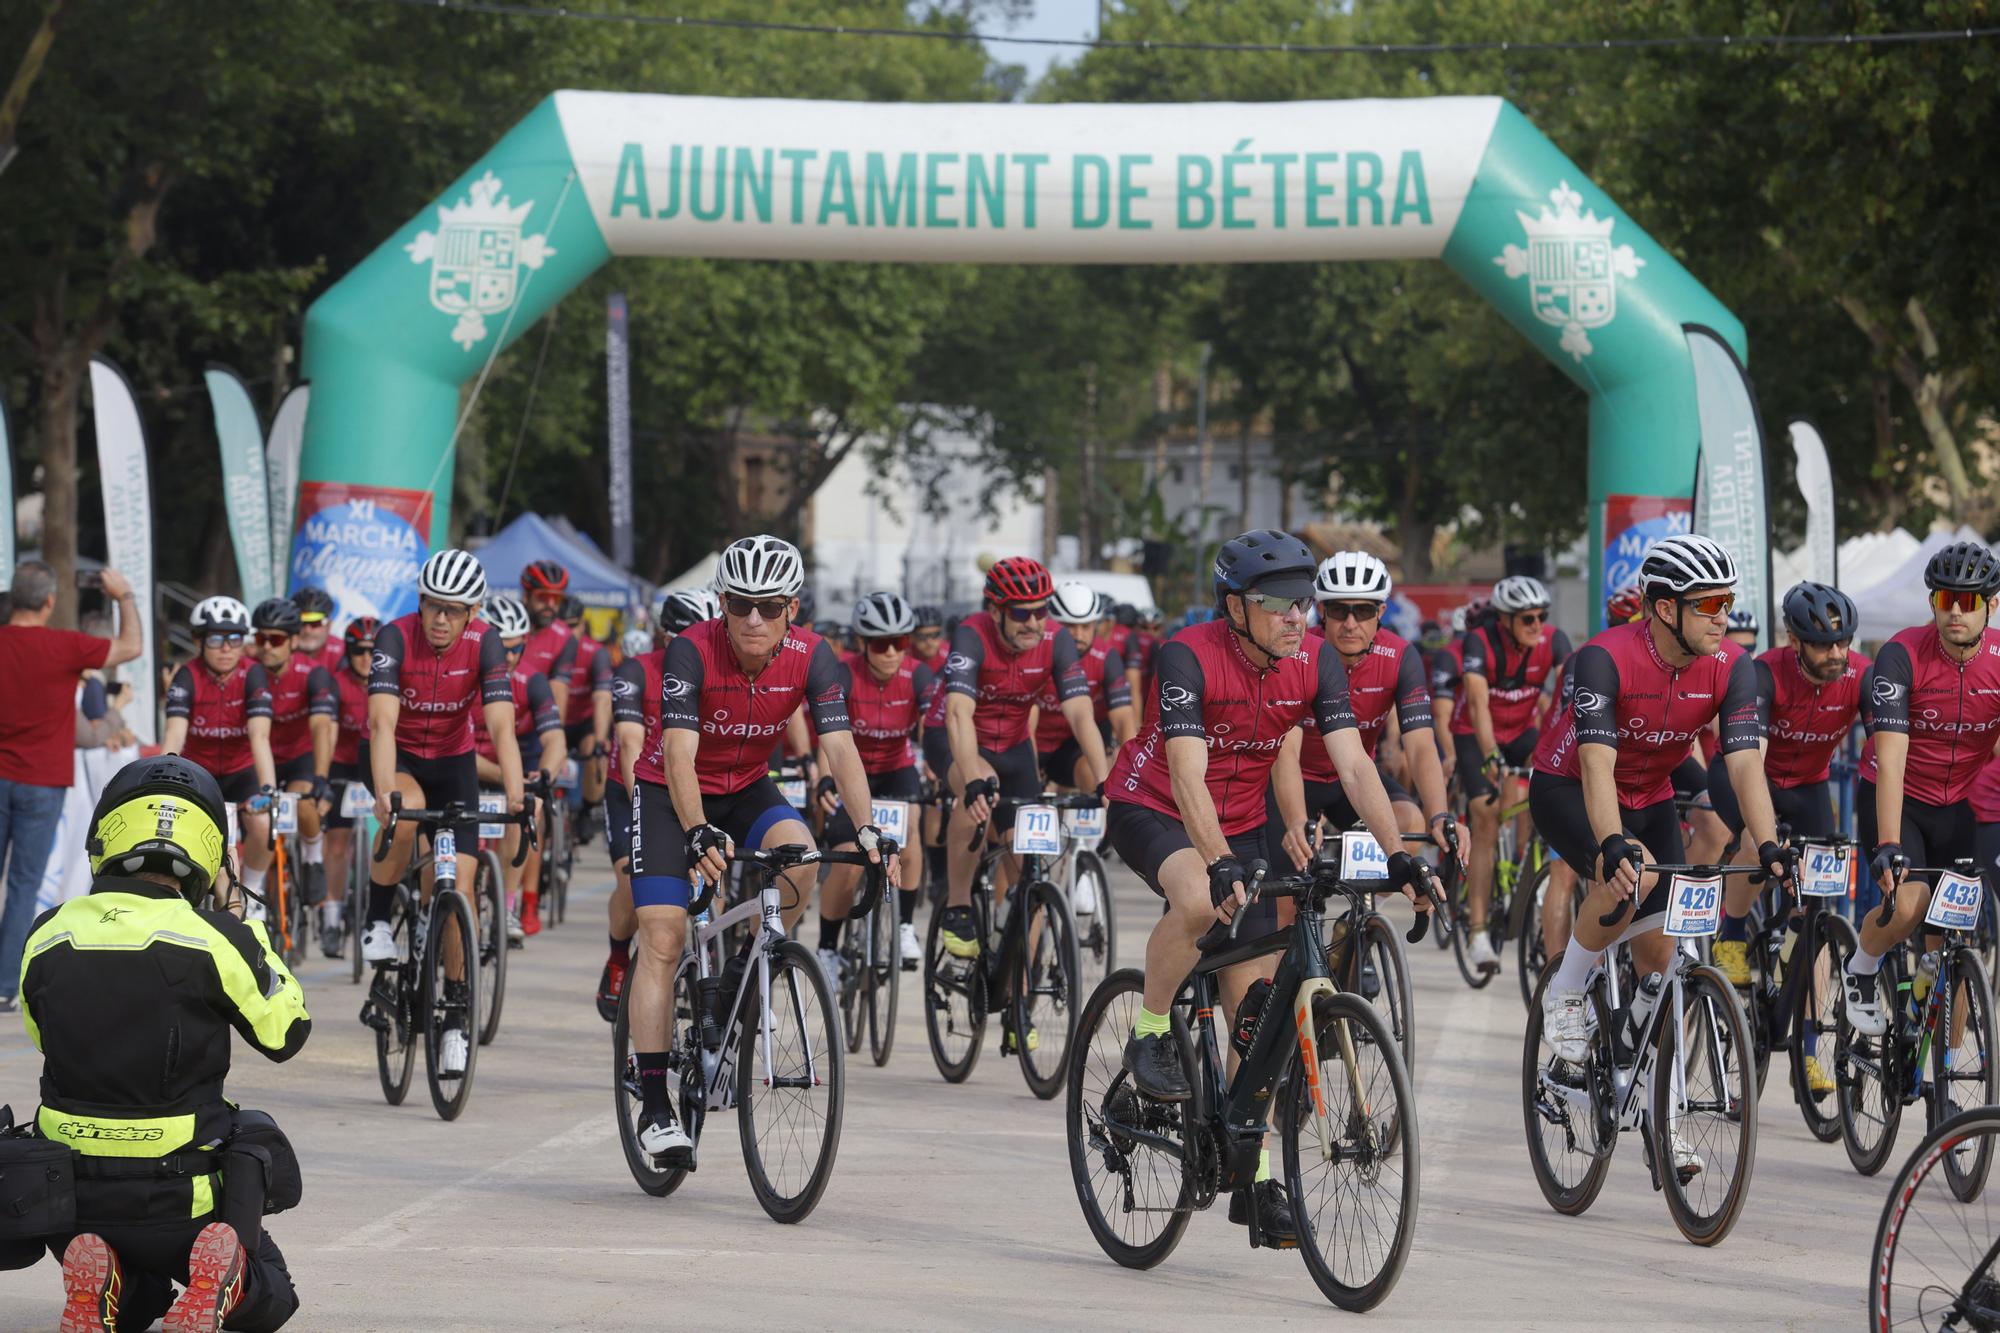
[718, 1067]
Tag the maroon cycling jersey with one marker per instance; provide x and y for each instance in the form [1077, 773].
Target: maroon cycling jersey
[353, 717]
[1211, 690]
[1447, 670]
[1391, 672]
[591, 675]
[635, 698]
[1104, 673]
[1804, 721]
[1514, 678]
[1002, 683]
[439, 692]
[1985, 793]
[535, 713]
[301, 690]
[332, 654]
[1623, 694]
[218, 712]
[703, 688]
[883, 714]
[1950, 712]
[550, 650]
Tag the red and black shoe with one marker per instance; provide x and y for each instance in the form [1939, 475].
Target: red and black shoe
[611, 985]
[216, 1265]
[92, 1285]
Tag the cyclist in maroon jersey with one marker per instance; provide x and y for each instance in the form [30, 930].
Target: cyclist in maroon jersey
[587, 714]
[927, 643]
[1001, 658]
[219, 716]
[727, 689]
[305, 711]
[1187, 795]
[431, 671]
[552, 643]
[316, 637]
[1602, 793]
[1448, 674]
[1074, 607]
[358, 642]
[535, 719]
[1935, 690]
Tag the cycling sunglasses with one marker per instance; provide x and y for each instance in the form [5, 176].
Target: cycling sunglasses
[771, 608]
[312, 617]
[1335, 612]
[1530, 617]
[1021, 615]
[1956, 599]
[222, 641]
[1275, 605]
[356, 649]
[274, 639]
[514, 649]
[894, 643]
[1713, 604]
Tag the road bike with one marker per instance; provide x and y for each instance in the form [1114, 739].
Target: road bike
[1675, 1066]
[1322, 1061]
[558, 850]
[1933, 1265]
[1516, 862]
[1080, 869]
[871, 976]
[752, 1029]
[1027, 973]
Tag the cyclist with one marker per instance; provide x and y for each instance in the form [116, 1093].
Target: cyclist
[886, 691]
[1448, 675]
[430, 672]
[1001, 659]
[1602, 794]
[358, 639]
[587, 715]
[1386, 683]
[552, 646]
[535, 718]
[1508, 664]
[305, 725]
[1935, 691]
[1074, 607]
[1187, 795]
[219, 716]
[316, 639]
[727, 688]
[927, 640]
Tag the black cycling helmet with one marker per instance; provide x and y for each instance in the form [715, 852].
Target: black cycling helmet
[276, 613]
[572, 609]
[162, 815]
[313, 602]
[1817, 613]
[361, 630]
[805, 612]
[1275, 561]
[929, 616]
[1963, 567]
[1127, 615]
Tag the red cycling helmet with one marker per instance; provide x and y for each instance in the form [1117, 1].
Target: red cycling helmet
[1624, 606]
[544, 576]
[1018, 579]
[360, 630]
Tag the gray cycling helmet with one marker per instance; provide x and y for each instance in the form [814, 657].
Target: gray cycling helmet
[883, 615]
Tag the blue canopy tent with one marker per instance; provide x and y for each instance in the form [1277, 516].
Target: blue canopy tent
[593, 579]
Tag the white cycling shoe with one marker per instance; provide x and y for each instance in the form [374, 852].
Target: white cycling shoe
[1566, 1024]
[453, 1050]
[1083, 895]
[1863, 1004]
[378, 943]
[911, 947]
[829, 963]
[665, 1141]
[1686, 1160]
[1483, 957]
[516, 936]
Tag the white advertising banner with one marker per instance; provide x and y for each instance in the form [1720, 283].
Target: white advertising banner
[281, 467]
[246, 496]
[1816, 485]
[1729, 501]
[128, 526]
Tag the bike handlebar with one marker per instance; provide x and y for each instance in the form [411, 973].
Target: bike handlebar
[1624, 905]
[1074, 800]
[786, 856]
[1965, 865]
[1320, 884]
[457, 812]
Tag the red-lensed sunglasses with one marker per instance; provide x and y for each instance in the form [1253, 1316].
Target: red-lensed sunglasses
[894, 643]
[1956, 599]
[274, 640]
[1714, 604]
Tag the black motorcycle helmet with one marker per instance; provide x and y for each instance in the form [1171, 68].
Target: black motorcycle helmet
[1817, 613]
[163, 815]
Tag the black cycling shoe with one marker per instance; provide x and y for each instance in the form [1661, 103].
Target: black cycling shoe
[1274, 1214]
[1155, 1066]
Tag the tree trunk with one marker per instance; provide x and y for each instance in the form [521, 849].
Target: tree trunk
[25, 74]
[1414, 533]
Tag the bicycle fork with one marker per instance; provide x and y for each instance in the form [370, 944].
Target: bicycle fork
[1308, 994]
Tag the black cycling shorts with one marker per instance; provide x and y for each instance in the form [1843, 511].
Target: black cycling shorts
[937, 752]
[1808, 809]
[900, 784]
[1322, 798]
[1690, 780]
[339, 776]
[1014, 767]
[659, 843]
[1933, 835]
[1472, 778]
[1144, 839]
[452, 778]
[578, 732]
[296, 769]
[239, 786]
[617, 819]
[1557, 806]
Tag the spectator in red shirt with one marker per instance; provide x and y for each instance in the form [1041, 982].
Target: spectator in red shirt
[39, 668]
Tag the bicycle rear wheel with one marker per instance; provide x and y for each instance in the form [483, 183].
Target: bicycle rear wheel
[1931, 1265]
[789, 1112]
[1134, 1190]
[884, 980]
[1461, 936]
[1353, 1171]
[1815, 1033]
[1383, 955]
[1962, 1071]
[561, 861]
[394, 1003]
[1715, 1114]
[954, 999]
[853, 966]
[1868, 1076]
[1565, 1112]
[1097, 929]
[627, 1100]
[1045, 989]
[449, 1004]
[492, 943]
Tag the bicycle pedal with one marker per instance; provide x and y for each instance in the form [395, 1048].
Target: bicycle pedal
[373, 1017]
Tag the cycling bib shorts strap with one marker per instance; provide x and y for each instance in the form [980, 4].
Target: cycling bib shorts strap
[1144, 839]
[1557, 805]
[1472, 764]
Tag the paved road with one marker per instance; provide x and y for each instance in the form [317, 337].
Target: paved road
[950, 1206]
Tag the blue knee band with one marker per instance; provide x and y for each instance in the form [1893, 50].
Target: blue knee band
[771, 818]
[661, 891]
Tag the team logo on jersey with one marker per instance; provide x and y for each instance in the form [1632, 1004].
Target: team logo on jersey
[957, 662]
[1590, 701]
[1887, 691]
[674, 687]
[476, 257]
[1176, 696]
[1572, 268]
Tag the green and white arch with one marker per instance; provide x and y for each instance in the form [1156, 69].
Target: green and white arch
[589, 175]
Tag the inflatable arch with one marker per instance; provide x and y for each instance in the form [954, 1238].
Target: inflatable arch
[588, 175]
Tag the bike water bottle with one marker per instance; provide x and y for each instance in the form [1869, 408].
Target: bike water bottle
[710, 988]
[1248, 1013]
[1642, 1008]
[1926, 977]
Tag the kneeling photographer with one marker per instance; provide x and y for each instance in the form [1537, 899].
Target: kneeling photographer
[139, 1173]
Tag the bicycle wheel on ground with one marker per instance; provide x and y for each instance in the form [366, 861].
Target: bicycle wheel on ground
[1127, 1154]
[853, 954]
[1711, 1109]
[1932, 1263]
[450, 1004]
[1385, 983]
[1962, 1070]
[1097, 929]
[954, 1000]
[1351, 1158]
[394, 1004]
[1046, 996]
[789, 1092]
[884, 980]
[492, 900]
[560, 862]
[628, 1101]
[1868, 1077]
[1564, 1108]
[1815, 1034]
[1461, 936]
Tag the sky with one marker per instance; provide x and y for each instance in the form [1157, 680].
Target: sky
[1053, 18]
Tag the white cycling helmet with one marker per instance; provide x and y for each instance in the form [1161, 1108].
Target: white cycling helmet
[761, 566]
[636, 642]
[453, 575]
[1518, 592]
[508, 617]
[220, 615]
[1685, 561]
[883, 615]
[1073, 604]
[1353, 574]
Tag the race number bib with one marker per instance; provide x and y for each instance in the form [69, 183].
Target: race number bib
[355, 801]
[1694, 906]
[1084, 823]
[445, 855]
[285, 814]
[893, 818]
[492, 803]
[1954, 903]
[1823, 870]
[794, 792]
[1361, 857]
[1036, 831]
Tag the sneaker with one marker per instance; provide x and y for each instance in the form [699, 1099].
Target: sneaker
[91, 1286]
[1818, 1081]
[961, 933]
[912, 948]
[830, 967]
[1483, 957]
[214, 1284]
[1863, 1005]
[1083, 895]
[452, 1052]
[378, 943]
[1733, 958]
[611, 985]
[661, 1136]
[1686, 1160]
[1155, 1066]
[1274, 1213]
[1566, 1024]
[517, 934]
[531, 913]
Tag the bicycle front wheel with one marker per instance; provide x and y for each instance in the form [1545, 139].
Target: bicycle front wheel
[629, 1102]
[954, 1000]
[1096, 929]
[1868, 1076]
[1962, 1070]
[492, 943]
[393, 1003]
[1045, 989]
[1566, 1110]
[1705, 1120]
[1385, 983]
[450, 1005]
[789, 1089]
[1351, 1159]
[1461, 935]
[884, 980]
[1815, 1031]
[1932, 1262]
